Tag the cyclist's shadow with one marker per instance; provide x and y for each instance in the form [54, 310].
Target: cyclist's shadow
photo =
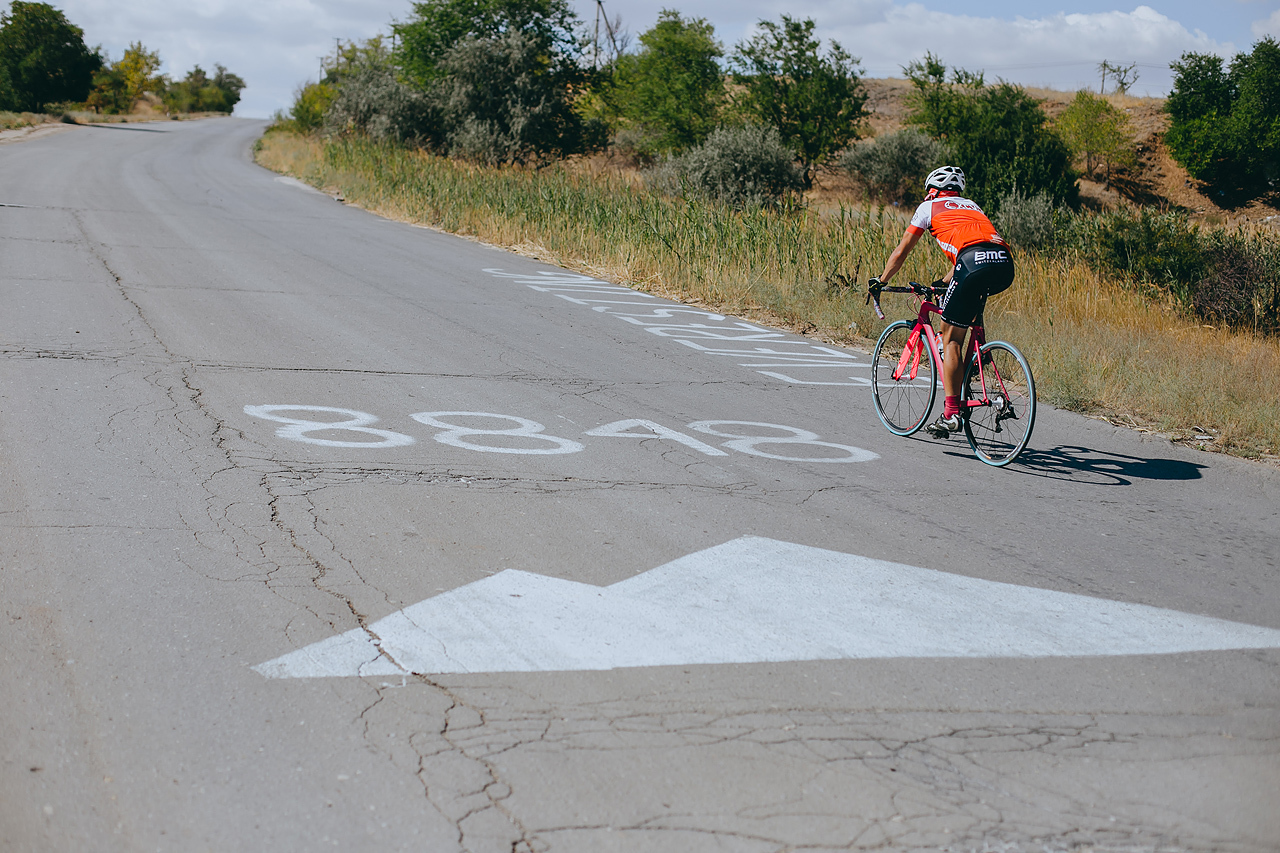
[1104, 468]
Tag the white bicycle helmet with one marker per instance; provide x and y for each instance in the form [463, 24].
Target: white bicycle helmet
[946, 178]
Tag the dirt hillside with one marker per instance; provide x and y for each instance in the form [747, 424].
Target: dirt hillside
[1154, 180]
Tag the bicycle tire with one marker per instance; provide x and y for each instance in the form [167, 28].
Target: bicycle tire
[903, 405]
[999, 432]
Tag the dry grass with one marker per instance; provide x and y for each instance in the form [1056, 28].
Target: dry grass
[1094, 347]
[12, 121]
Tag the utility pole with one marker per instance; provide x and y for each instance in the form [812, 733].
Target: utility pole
[608, 28]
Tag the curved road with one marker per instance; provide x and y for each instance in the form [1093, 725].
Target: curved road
[323, 530]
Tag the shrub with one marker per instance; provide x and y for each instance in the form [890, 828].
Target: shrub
[1149, 247]
[1224, 125]
[500, 102]
[199, 92]
[1242, 288]
[12, 120]
[999, 134]
[895, 165]
[742, 166]
[370, 100]
[310, 104]
[1027, 222]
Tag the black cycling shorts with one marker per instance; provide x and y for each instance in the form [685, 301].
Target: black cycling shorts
[981, 270]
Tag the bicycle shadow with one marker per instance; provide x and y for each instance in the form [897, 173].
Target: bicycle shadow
[1104, 468]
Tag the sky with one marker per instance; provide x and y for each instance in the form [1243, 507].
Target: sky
[275, 45]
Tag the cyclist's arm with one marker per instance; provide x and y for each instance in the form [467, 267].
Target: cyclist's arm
[909, 240]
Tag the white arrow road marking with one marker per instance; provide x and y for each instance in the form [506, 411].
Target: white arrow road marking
[751, 600]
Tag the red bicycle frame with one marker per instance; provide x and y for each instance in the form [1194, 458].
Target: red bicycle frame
[911, 353]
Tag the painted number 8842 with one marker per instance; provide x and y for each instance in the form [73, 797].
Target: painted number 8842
[528, 437]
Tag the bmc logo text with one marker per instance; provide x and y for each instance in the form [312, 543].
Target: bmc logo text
[988, 257]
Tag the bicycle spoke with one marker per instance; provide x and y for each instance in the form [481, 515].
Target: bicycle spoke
[903, 404]
[999, 429]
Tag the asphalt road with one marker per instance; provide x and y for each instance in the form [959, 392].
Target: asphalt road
[579, 603]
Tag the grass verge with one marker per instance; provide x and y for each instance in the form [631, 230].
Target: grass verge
[1095, 347]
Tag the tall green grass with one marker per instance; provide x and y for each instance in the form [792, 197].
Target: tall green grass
[1095, 347]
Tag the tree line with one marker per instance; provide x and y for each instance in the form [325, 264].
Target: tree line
[519, 81]
[45, 66]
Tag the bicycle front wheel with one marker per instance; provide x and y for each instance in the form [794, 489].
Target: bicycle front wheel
[903, 403]
[999, 430]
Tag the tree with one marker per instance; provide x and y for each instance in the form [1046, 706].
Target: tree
[310, 103]
[499, 101]
[198, 92]
[110, 92]
[1225, 124]
[1096, 132]
[998, 134]
[439, 25]
[118, 86]
[372, 61]
[230, 85]
[815, 102]
[672, 89]
[349, 57]
[43, 58]
[1123, 75]
[141, 70]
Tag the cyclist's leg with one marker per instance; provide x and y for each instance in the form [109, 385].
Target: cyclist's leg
[952, 360]
[960, 307]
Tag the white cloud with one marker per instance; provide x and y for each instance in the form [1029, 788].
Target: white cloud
[273, 44]
[1267, 26]
[1061, 50]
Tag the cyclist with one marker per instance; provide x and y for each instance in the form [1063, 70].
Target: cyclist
[981, 266]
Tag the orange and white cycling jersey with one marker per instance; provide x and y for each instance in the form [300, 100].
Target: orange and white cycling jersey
[955, 223]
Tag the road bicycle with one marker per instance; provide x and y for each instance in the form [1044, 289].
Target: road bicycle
[998, 397]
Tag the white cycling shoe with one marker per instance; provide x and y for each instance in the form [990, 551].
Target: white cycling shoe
[943, 427]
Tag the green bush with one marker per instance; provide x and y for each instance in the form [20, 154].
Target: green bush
[1224, 125]
[744, 166]
[1161, 249]
[437, 26]
[999, 134]
[1219, 276]
[200, 93]
[310, 104]
[370, 100]
[43, 58]
[1027, 222]
[666, 98]
[1242, 288]
[500, 102]
[895, 165]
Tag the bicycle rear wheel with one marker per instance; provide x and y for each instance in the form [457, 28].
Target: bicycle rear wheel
[998, 432]
[904, 403]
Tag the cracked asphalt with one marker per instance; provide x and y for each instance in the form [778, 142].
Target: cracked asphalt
[157, 541]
